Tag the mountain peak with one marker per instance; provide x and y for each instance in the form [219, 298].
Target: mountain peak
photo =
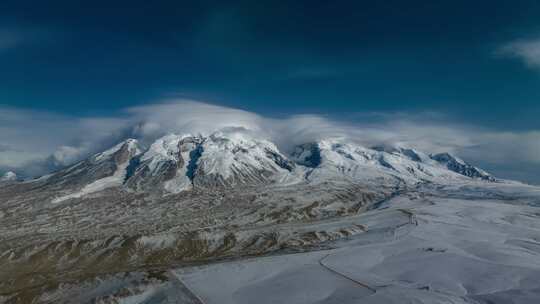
[127, 147]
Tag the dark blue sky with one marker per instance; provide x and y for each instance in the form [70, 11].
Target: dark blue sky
[273, 57]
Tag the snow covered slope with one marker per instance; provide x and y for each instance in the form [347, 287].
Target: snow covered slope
[331, 158]
[458, 165]
[101, 171]
[166, 163]
[236, 159]
[99, 166]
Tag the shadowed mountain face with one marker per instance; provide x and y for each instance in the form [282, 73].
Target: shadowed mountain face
[186, 199]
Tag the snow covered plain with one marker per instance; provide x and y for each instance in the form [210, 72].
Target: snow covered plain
[418, 248]
[474, 242]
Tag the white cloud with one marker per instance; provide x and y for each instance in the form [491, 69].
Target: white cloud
[31, 138]
[67, 154]
[526, 50]
[189, 117]
[34, 142]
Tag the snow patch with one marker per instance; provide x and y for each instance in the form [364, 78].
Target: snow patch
[157, 241]
[114, 180]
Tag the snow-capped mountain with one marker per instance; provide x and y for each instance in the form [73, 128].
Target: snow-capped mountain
[181, 162]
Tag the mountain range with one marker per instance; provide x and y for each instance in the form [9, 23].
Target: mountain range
[176, 163]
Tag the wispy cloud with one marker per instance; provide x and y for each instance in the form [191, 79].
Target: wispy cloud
[526, 50]
[35, 142]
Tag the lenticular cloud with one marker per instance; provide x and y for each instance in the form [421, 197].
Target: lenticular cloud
[34, 143]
